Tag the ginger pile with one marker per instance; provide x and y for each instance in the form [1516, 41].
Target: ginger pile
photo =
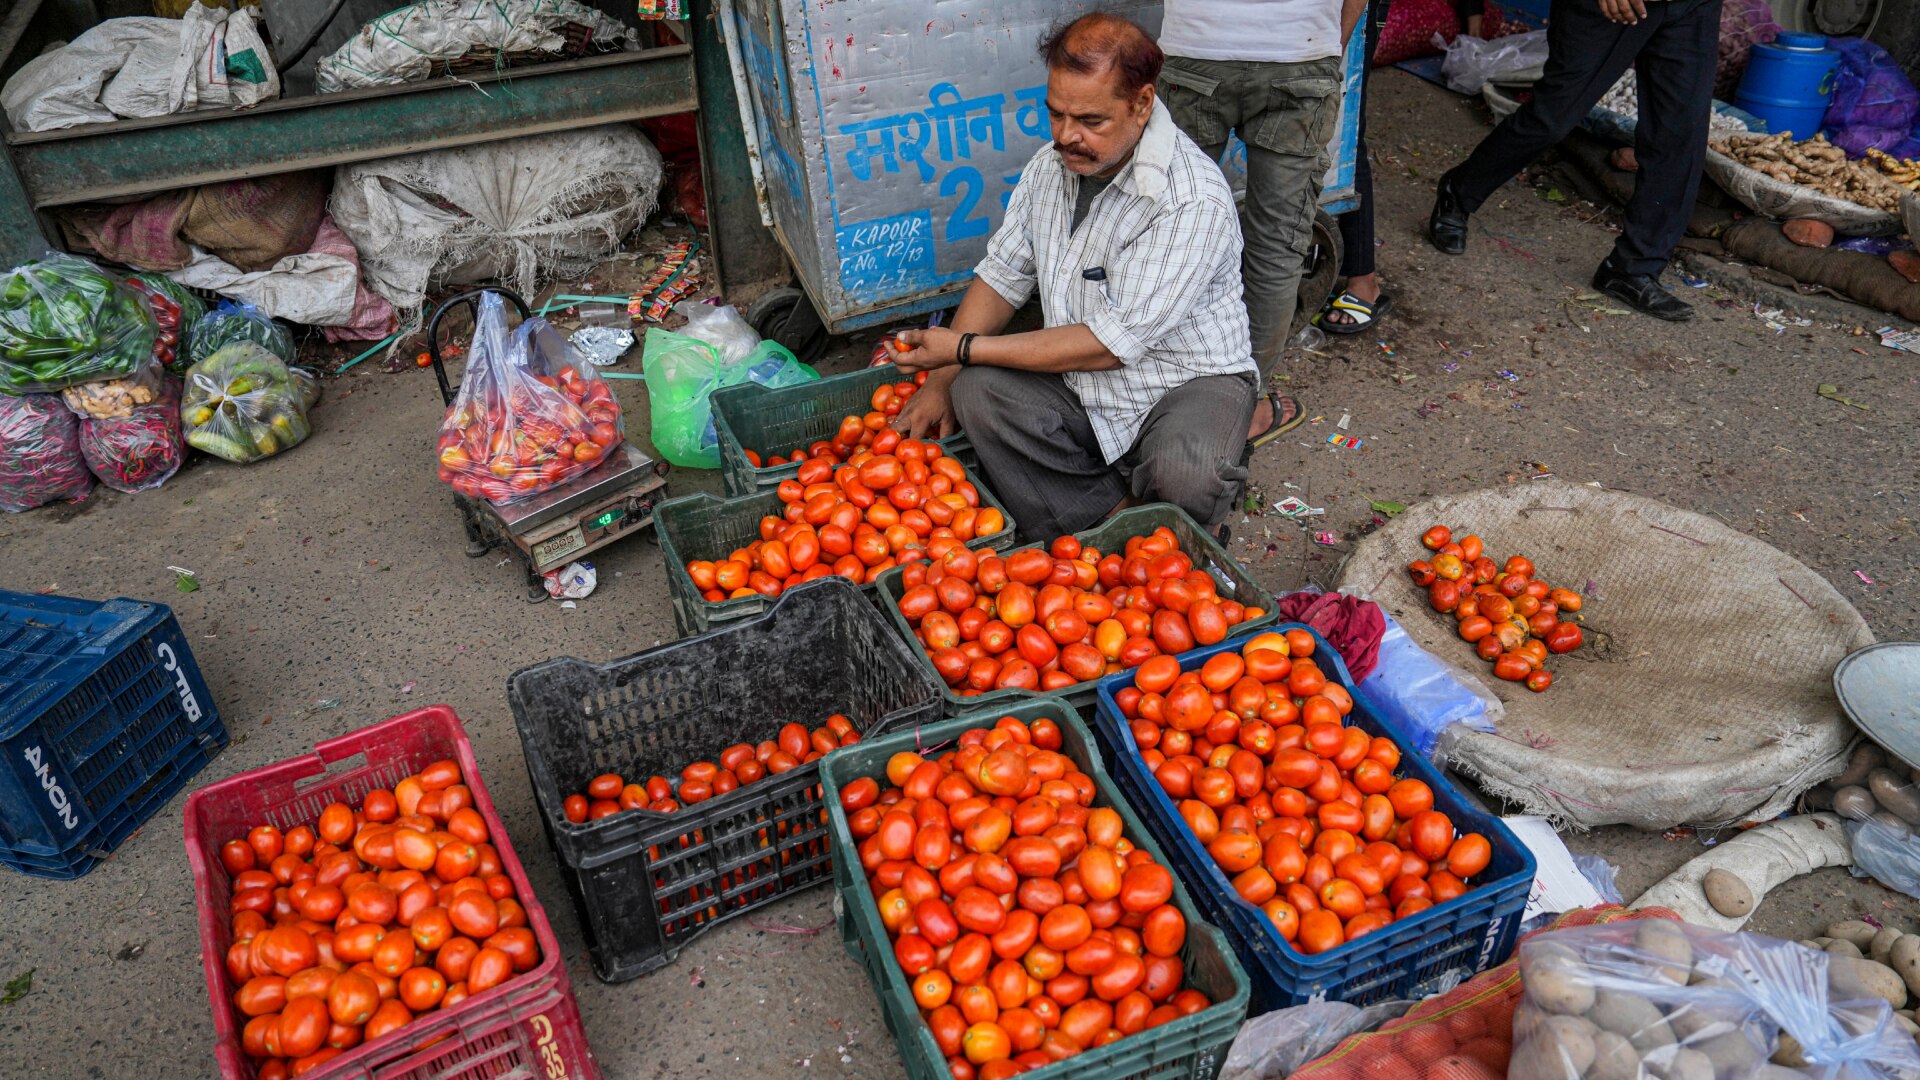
[1817, 165]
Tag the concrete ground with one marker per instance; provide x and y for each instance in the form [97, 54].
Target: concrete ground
[336, 594]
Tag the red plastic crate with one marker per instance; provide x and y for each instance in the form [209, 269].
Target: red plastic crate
[527, 1027]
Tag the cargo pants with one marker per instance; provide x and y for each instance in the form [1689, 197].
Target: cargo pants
[1285, 113]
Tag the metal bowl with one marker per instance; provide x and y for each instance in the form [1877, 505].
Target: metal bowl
[1879, 687]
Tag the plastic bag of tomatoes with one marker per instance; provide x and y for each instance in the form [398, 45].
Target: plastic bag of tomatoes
[531, 413]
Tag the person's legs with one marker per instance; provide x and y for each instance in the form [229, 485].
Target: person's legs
[1675, 77]
[1038, 450]
[1586, 54]
[1286, 161]
[1188, 452]
[1356, 225]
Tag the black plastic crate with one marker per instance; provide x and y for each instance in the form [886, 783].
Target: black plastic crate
[749, 416]
[104, 716]
[646, 883]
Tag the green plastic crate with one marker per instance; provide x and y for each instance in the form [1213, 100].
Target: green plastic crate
[1190, 1048]
[751, 416]
[706, 526]
[1233, 580]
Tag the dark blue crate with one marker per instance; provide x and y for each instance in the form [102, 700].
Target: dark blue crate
[103, 717]
[1409, 959]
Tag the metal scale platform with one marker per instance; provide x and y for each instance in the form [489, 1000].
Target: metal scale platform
[547, 530]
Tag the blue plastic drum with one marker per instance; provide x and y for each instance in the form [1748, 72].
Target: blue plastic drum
[1789, 83]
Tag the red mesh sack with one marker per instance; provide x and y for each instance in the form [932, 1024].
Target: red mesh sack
[1463, 1034]
[1410, 27]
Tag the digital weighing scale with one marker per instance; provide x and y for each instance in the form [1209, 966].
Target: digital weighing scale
[547, 530]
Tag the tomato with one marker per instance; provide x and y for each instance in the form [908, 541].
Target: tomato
[1436, 538]
[1538, 681]
[352, 999]
[1319, 931]
[1563, 637]
[1511, 667]
[1428, 834]
[1422, 572]
[1469, 855]
[267, 843]
[1145, 886]
[985, 1042]
[303, 1027]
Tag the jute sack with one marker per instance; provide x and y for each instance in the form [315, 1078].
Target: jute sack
[1703, 694]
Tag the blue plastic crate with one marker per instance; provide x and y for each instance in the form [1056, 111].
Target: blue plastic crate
[1409, 959]
[103, 717]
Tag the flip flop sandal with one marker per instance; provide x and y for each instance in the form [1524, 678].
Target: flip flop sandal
[1283, 422]
[1362, 313]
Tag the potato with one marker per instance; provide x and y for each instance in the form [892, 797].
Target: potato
[1541, 1059]
[1854, 801]
[1731, 1054]
[1567, 1040]
[1843, 947]
[1860, 933]
[1789, 1052]
[1858, 980]
[1895, 795]
[1866, 757]
[1696, 1020]
[1892, 821]
[1906, 1024]
[1559, 984]
[1729, 895]
[1680, 1064]
[1883, 943]
[1904, 958]
[1614, 1058]
[1661, 939]
[1636, 1018]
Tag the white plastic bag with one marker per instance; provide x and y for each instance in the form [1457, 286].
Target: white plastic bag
[135, 67]
[1472, 63]
[720, 326]
[1676, 1000]
[404, 44]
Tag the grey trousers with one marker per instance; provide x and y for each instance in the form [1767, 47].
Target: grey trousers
[1043, 461]
[1286, 114]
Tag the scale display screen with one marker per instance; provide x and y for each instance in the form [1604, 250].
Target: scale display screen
[605, 518]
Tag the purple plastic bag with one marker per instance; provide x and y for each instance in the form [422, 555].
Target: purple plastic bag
[40, 458]
[1870, 89]
[1860, 138]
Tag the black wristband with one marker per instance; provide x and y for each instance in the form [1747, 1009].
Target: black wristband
[964, 354]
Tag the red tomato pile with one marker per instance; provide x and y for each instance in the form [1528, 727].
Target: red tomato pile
[855, 431]
[1039, 620]
[528, 440]
[347, 929]
[1302, 812]
[166, 317]
[1031, 928]
[858, 520]
[1511, 617]
[740, 765]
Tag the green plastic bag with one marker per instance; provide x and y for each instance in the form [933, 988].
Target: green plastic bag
[682, 374]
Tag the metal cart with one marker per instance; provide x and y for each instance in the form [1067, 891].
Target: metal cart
[885, 138]
[548, 530]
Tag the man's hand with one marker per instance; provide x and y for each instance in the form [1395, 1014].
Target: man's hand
[934, 347]
[928, 414]
[1624, 12]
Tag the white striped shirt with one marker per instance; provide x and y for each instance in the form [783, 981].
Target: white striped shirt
[1168, 237]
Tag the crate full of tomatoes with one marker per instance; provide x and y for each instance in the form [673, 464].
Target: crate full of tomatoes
[767, 433]
[680, 787]
[1013, 913]
[1340, 862]
[531, 413]
[1054, 618]
[726, 558]
[362, 913]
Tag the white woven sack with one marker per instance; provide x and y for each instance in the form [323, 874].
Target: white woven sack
[1703, 694]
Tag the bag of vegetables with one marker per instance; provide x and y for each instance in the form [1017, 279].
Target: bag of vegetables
[140, 451]
[531, 412]
[39, 453]
[63, 321]
[105, 398]
[175, 310]
[230, 323]
[243, 404]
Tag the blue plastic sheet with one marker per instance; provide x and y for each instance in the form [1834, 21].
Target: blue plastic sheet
[1419, 693]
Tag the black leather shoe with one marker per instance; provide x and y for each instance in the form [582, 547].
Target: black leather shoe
[1642, 293]
[1447, 226]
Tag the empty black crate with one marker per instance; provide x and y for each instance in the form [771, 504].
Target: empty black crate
[646, 883]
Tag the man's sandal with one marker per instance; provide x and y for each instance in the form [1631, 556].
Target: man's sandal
[1287, 415]
[1360, 313]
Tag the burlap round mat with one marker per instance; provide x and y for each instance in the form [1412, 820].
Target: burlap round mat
[1703, 694]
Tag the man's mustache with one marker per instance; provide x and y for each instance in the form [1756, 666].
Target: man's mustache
[1071, 152]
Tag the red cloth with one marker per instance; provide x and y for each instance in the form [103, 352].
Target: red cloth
[1351, 625]
[1409, 29]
